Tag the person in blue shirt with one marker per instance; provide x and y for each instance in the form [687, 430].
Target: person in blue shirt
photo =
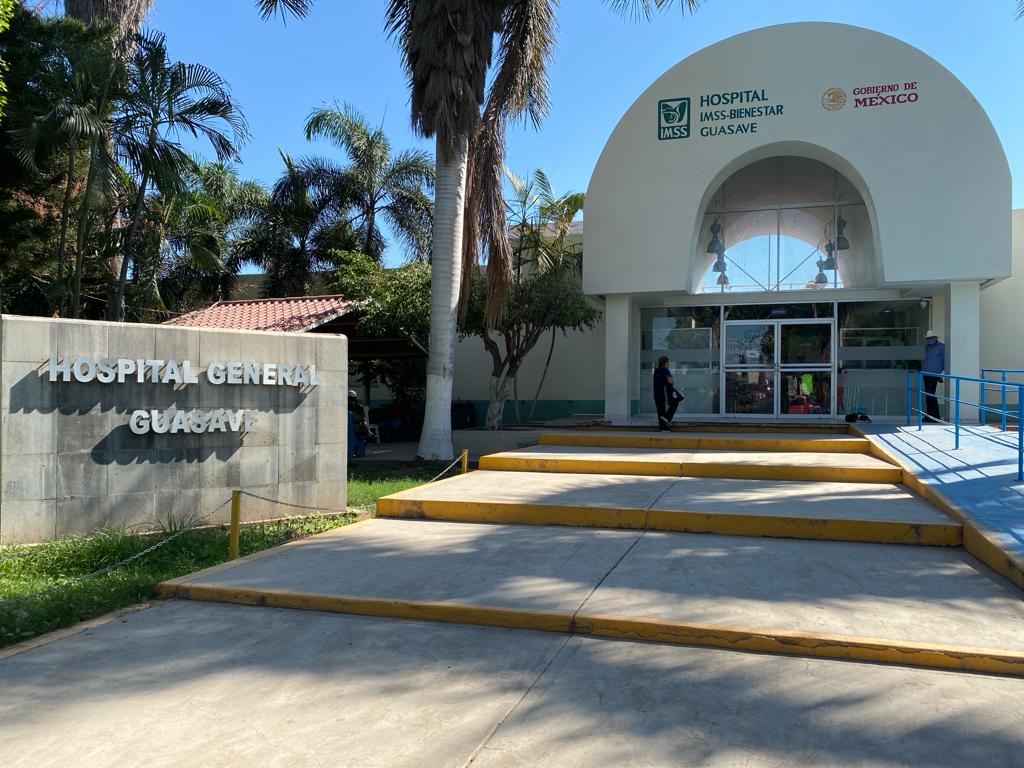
[665, 397]
[934, 362]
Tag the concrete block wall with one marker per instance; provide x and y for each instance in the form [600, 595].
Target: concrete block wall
[69, 462]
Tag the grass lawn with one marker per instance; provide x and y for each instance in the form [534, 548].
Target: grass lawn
[26, 570]
[369, 480]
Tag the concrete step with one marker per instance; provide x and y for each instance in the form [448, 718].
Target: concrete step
[864, 512]
[751, 465]
[918, 606]
[753, 441]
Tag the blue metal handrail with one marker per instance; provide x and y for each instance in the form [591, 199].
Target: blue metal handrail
[1003, 373]
[1004, 412]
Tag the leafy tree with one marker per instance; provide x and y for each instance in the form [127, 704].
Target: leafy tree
[6, 13]
[34, 188]
[393, 304]
[542, 301]
[376, 185]
[71, 116]
[163, 99]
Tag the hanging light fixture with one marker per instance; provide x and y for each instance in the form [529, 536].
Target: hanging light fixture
[719, 265]
[842, 243]
[723, 280]
[821, 278]
[830, 260]
[716, 246]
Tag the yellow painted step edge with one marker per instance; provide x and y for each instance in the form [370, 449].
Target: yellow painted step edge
[662, 468]
[855, 445]
[581, 466]
[926, 655]
[888, 475]
[676, 521]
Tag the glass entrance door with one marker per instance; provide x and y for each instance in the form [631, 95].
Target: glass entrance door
[778, 369]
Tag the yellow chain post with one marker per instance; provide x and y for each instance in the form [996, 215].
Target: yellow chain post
[465, 460]
[236, 514]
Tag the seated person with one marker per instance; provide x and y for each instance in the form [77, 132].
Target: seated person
[355, 407]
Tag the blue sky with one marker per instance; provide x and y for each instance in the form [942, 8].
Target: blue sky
[279, 72]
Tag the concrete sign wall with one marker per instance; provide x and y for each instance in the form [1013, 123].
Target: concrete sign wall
[124, 424]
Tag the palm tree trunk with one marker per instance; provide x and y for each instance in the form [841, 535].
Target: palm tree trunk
[116, 309]
[65, 214]
[446, 277]
[369, 232]
[83, 226]
[543, 376]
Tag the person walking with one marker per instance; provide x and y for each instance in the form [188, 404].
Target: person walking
[934, 362]
[665, 397]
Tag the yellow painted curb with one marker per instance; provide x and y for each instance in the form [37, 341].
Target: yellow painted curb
[888, 475]
[926, 655]
[582, 466]
[675, 521]
[976, 540]
[682, 468]
[681, 441]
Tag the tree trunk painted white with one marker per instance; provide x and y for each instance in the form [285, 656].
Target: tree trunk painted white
[445, 279]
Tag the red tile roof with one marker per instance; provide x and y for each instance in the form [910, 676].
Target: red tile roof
[300, 313]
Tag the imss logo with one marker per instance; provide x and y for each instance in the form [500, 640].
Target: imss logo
[674, 119]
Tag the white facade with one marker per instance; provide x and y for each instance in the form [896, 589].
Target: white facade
[739, 137]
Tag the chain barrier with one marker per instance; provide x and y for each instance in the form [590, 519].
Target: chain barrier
[339, 510]
[446, 470]
[16, 601]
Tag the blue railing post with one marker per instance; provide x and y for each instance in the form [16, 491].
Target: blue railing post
[920, 402]
[956, 417]
[982, 414]
[908, 398]
[1020, 434]
[1002, 400]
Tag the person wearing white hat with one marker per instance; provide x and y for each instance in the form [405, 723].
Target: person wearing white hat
[934, 362]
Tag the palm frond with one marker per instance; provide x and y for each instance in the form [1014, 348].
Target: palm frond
[297, 8]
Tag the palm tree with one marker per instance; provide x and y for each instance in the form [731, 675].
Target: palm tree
[377, 185]
[78, 72]
[125, 15]
[188, 250]
[162, 100]
[540, 224]
[293, 235]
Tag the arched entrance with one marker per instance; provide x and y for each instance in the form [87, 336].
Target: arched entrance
[779, 225]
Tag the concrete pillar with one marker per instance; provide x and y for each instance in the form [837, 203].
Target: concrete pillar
[963, 341]
[616, 356]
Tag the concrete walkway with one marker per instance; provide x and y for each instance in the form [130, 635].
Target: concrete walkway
[806, 593]
[191, 684]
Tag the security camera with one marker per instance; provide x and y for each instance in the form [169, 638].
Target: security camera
[924, 303]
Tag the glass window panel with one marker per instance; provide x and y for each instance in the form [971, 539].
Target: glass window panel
[777, 217]
[803, 237]
[806, 344]
[750, 344]
[750, 392]
[689, 337]
[878, 342]
[806, 393]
